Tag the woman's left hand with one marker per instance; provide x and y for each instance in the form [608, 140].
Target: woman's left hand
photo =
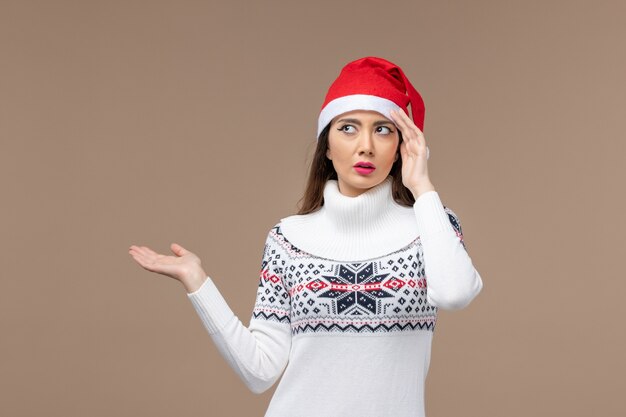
[414, 154]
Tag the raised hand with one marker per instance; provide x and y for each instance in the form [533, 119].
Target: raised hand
[184, 266]
[414, 153]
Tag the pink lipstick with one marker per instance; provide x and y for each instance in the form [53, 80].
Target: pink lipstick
[364, 168]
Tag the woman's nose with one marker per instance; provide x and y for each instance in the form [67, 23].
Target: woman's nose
[365, 143]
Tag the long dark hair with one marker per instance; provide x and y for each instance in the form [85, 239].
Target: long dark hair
[322, 170]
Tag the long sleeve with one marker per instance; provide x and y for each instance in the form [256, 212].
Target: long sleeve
[452, 280]
[257, 353]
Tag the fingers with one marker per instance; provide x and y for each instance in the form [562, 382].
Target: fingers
[412, 135]
[143, 251]
[399, 117]
[139, 255]
[406, 125]
[403, 150]
[154, 262]
[142, 254]
[148, 254]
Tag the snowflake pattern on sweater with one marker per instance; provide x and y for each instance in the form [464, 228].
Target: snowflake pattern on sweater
[315, 294]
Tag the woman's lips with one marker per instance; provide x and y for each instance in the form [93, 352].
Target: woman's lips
[364, 170]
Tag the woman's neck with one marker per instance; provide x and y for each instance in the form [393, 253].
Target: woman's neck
[362, 213]
[353, 228]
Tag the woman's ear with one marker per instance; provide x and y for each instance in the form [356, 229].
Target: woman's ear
[328, 154]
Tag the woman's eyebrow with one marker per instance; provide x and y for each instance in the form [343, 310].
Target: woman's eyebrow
[355, 121]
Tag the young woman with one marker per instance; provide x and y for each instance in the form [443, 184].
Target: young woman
[350, 286]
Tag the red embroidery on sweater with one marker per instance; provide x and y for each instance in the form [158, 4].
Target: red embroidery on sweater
[269, 277]
[431, 318]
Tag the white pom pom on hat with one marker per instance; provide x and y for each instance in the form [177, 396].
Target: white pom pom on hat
[371, 83]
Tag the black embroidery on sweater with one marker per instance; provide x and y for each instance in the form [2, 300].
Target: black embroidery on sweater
[315, 294]
[456, 224]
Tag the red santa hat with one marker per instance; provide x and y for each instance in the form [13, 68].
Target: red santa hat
[371, 83]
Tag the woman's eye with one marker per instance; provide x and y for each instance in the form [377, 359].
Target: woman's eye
[346, 128]
[385, 132]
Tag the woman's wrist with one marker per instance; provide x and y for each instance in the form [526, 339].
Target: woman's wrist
[194, 280]
[421, 189]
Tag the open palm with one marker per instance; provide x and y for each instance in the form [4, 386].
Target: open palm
[177, 267]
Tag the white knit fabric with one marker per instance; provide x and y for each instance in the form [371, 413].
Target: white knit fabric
[346, 305]
[355, 102]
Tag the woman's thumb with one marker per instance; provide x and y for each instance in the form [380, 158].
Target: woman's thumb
[177, 249]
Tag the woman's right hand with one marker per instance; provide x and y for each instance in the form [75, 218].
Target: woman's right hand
[184, 267]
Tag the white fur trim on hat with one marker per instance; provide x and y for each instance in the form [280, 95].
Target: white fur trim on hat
[354, 102]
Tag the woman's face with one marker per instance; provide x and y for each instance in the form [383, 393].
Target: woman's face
[361, 136]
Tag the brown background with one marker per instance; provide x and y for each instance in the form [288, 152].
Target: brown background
[151, 122]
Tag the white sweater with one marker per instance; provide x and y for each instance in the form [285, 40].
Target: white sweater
[346, 305]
